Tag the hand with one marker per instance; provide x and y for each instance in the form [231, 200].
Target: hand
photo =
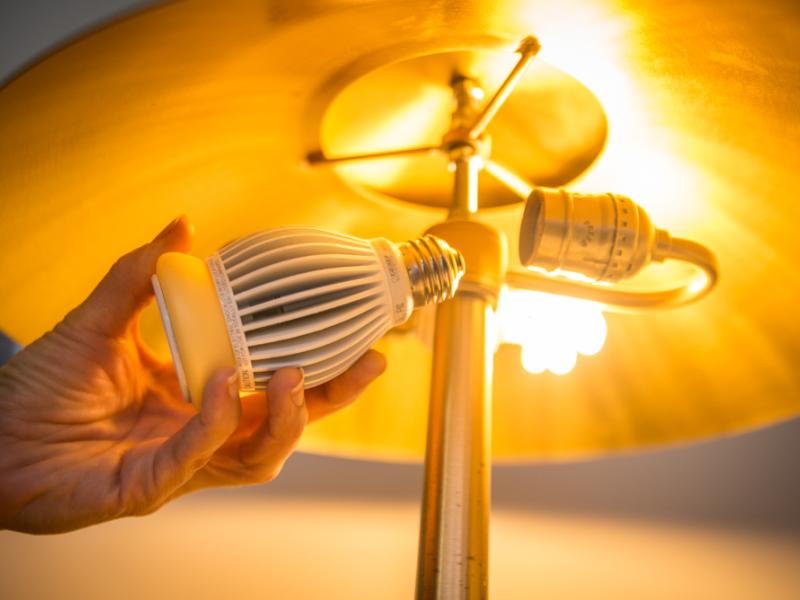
[94, 427]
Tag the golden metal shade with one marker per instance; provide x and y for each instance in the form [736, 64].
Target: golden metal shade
[552, 127]
[208, 108]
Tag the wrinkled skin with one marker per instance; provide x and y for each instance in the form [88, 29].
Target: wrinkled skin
[93, 427]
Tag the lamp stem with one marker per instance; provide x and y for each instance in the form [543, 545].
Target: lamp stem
[465, 190]
[454, 536]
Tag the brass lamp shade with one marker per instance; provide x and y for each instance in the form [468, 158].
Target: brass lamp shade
[208, 108]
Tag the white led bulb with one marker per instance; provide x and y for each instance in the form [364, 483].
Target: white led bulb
[294, 297]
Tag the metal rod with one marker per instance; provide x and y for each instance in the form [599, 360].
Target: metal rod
[316, 158]
[454, 536]
[465, 189]
[463, 154]
[508, 178]
[528, 50]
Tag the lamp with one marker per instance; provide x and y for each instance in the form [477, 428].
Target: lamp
[181, 108]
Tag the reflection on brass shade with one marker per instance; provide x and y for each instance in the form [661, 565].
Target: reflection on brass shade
[209, 108]
[549, 131]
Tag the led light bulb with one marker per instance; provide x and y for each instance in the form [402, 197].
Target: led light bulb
[294, 297]
[602, 237]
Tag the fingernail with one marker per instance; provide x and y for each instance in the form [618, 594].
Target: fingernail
[166, 231]
[296, 394]
[233, 386]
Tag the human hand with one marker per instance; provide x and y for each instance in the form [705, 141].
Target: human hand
[94, 427]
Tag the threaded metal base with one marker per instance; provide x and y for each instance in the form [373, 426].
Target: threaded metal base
[434, 269]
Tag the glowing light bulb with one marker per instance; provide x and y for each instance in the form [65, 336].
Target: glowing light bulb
[698, 284]
[534, 359]
[562, 361]
[551, 330]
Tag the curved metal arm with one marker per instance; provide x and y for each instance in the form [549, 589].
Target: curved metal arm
[628, 301]
[698, 255]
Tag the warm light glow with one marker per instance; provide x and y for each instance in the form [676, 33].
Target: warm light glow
[571, 275]
[639, 159]
[698, 283]
[552, 330]
[477, 93]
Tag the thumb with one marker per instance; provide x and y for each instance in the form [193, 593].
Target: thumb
[127, 288]
[190, 448]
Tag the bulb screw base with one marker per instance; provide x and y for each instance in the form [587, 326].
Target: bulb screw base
[434, 269]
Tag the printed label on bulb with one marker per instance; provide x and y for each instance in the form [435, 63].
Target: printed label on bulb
[396, 279]
[233, 323]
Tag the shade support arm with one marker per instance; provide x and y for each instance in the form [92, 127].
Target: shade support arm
[528, 49]
[319, 158]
